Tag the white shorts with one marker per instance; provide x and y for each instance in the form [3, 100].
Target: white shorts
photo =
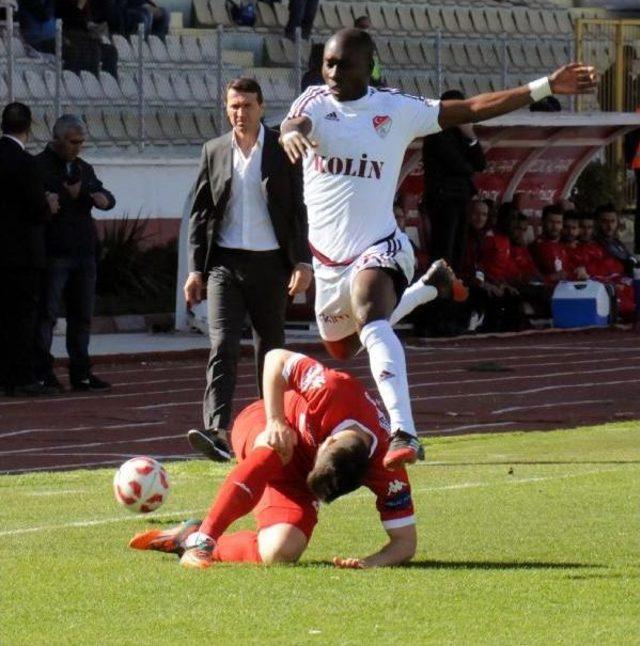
[333, 284]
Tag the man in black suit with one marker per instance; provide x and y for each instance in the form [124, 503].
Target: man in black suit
[247, 251]
[450, 158]
[23, 212]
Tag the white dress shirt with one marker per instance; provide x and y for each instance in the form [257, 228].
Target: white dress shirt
[246, 223]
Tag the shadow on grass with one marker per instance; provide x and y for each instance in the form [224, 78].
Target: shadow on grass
[478, 565]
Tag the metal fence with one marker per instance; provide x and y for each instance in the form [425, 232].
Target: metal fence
[168, 93]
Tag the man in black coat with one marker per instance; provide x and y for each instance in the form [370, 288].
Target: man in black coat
[23, 212]
[247, 245]
[71, 252]
[450, 158]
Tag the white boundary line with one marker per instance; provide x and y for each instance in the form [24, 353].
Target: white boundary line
[185, 513]
[584, 402]
[53, 429]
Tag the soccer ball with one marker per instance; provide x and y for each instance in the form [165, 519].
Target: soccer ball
[141, 485]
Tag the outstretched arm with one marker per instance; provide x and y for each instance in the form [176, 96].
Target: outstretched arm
[570, 79]
[400, 549]
[294, 137]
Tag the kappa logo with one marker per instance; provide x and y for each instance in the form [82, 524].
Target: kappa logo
[385, 374]
[332, 116]
[382, 124]
[396, 486]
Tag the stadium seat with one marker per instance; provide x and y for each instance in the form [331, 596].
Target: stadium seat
[390, 15]
[407, 22]
[274, 51]
[73, 88]
[520, 17]
[198, 86]
[267, 15]
[98, 134]
[416, 55]
[158, 50]
[188, 127]
[434, 18]
[181, 87]
[538, 26]
[163, 88]
[92, 87]
[282, 14]
[170, 128]
[494, 24]
[384, 52]
[330, 16]
[345, 15]
[36, 86]
[399, 52]
[508, 22]
[202, 13]
[374, 11]
[196, 49]
[40, 132]
[111, 88]
[219, 14]
[115, 127]
[450, 20]
[125, 54]
[420, 18]
[206, 125]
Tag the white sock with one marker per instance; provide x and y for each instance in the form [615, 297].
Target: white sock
[414, 295]
[389, 370]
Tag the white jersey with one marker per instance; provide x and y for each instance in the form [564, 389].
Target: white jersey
[350, 179]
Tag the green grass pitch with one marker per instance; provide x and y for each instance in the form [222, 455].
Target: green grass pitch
[525, 538]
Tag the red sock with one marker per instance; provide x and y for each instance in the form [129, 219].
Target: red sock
[241, 490]
[241, 547]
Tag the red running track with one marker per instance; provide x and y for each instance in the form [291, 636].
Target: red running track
[523, 382]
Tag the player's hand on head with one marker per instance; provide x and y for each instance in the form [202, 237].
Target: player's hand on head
[348, 563]
[574, 78]
[281, 438]
[296, 145]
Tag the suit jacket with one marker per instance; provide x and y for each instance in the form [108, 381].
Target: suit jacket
[23, 209]
[449, 164]
[283, 184]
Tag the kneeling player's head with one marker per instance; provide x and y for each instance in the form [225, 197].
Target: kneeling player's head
[340, 466]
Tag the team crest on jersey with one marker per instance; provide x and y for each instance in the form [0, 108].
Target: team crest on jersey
[382, 124]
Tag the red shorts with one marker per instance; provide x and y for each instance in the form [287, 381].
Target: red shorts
[286, 499]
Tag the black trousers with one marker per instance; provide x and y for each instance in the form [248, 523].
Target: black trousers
[241, 283]
[448, 229]
[302, 13]
[19, 295]
[69, 285]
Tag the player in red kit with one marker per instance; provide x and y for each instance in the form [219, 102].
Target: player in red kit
[548, 251]
[317, 435]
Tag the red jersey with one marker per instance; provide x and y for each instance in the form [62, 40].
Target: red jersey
[524, 270]
[496, 257]
[551, 257]
[322, 402]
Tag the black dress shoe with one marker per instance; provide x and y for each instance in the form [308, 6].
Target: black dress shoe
[89, 383]
[52, 382]
[212, 444]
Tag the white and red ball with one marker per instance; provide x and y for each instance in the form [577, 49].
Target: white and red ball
[141, 485]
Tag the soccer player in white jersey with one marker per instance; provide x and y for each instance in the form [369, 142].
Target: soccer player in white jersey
[352, 139]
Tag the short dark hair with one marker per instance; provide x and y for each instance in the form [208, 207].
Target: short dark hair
[340, 468]
[16, 119]
[551, 209]
[246, 84]
[358, 22]
[609, 207]
[452, 95]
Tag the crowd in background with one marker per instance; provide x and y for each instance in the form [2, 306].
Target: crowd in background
[86, 27]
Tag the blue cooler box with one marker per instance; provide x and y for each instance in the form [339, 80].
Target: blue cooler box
[580, 304]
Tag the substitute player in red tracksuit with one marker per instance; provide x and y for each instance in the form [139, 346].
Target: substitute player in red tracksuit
[548, 251]
[317, 435]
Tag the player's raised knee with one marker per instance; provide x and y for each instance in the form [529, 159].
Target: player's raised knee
[281, 543]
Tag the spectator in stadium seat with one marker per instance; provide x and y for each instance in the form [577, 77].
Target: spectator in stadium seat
[25, 210]
[246, 249]
[89, 51]
[302, 13]
[82, 47]
[352, 139]
[548, 251]
[450, 159]
[155, 18]
[71, 253]
[288, 463]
